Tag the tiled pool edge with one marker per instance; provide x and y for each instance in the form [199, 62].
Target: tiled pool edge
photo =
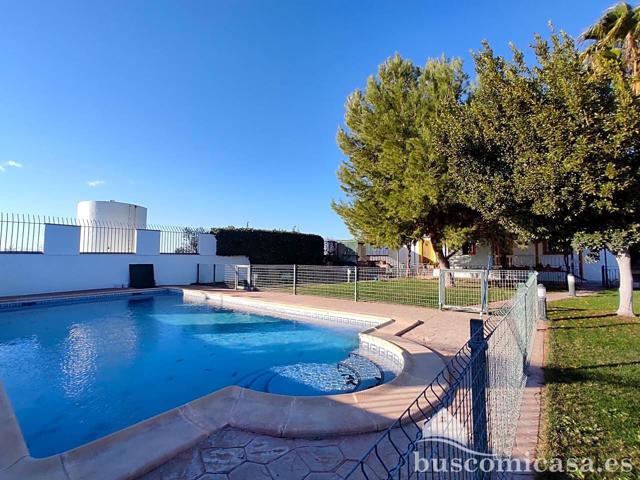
[139, 448]
[295, 311]
[70, 297]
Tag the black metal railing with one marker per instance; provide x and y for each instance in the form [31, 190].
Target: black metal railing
[22, 233]
[106, 237]
[611, 277]
[179, 240]
[26, 234]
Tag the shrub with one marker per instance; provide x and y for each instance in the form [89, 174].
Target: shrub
[269, 246]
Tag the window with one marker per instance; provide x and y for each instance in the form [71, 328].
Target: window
[469, 248]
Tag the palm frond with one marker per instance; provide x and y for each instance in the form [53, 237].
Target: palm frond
[609, 21]
[620, 29]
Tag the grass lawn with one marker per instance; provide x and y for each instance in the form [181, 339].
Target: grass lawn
[593, 382]
[407, 291]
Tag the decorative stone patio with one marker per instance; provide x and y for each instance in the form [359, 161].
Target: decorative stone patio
[238, 455]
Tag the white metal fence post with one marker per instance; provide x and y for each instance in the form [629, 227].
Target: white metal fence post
[355, 284]
[295, 279]
[441, 289]
[236, 277]
[484, 292]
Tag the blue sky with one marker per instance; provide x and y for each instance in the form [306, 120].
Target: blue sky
[214, 113]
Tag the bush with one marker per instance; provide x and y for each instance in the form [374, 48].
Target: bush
[270, 247]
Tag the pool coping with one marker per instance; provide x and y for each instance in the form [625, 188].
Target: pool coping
[137, 449]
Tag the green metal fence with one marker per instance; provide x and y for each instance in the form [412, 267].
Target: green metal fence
[459, 289]
[470, 411]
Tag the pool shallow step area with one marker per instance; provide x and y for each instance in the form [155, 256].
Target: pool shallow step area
[369, 405]
[355, 373]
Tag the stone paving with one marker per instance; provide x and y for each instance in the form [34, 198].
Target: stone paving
[232, 454]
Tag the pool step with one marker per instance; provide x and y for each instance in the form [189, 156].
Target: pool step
[353, 374]
[367, 372]
[257, 380]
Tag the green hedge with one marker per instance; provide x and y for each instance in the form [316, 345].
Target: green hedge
[270, 247]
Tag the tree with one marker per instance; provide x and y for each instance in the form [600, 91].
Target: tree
[616, 34]
[397, 186]
[551, 151]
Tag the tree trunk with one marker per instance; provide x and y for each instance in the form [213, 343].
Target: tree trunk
[625, 307]
[443, 261]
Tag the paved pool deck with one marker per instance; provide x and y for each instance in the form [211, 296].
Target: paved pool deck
[233, 454]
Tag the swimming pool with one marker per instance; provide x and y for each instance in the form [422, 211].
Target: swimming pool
[76, 372]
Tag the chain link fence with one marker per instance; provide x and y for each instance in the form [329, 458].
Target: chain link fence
[470, 411]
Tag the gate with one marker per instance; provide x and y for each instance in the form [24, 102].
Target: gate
[237, 277]
[463, 290]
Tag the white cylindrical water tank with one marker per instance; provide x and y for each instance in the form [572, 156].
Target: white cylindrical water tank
[109, 227]
[115, 212]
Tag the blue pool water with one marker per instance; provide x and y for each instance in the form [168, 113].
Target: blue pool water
[77, 372]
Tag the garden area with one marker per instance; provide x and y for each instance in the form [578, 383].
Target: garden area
[592, 401]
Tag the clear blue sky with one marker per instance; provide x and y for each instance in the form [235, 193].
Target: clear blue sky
[214, 112]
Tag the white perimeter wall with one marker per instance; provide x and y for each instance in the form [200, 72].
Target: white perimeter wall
[23, 274]
[61, 268]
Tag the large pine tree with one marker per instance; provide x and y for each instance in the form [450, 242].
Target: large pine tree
[398, 187]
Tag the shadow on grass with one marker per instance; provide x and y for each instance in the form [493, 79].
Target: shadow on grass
[568, 309]
[601, 315]
[608, 365]
[590, 374]
[588, 327]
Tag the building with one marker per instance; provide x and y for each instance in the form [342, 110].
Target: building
[541, 256]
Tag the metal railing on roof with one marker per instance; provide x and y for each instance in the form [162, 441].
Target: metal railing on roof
[179, 240]
[24, 233]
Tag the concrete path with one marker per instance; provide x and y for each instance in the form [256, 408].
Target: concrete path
[530, 424]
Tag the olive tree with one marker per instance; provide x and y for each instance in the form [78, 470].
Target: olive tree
[551, 150]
